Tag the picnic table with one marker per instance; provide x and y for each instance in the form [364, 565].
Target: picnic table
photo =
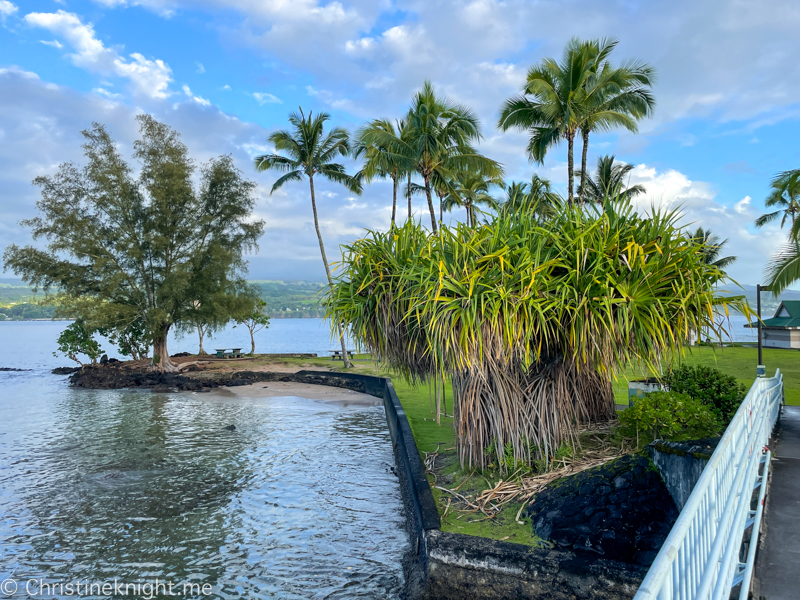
[225, 353]
[337, 354]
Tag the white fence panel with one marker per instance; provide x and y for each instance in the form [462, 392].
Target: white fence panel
[700, 559]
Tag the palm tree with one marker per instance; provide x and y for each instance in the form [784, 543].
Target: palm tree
[309, 152]
[711, 247]
[469, 192]
[536, 196]
[615, 96]
[609, 182]
[550, 107]
[438, 141]
[785, 195]
[378, 161]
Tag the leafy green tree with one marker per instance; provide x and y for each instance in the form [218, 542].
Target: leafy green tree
[309, 153]
[255, 320]
[78, 339]
[711, 248]
[785, 195]
[148, 247]
[132, 340]
[609, 182]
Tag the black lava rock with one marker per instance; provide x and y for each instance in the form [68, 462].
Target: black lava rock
[620, 510]
[65, 370]
[181, 354]
[4, 369]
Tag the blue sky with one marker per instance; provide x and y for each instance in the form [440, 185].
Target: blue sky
[225, 73]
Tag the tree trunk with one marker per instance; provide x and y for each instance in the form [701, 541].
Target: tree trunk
[409, 195]
[441, 207]
[570, 166]
[394, 198]
[201, 332]
[161, 361]
[345, 358]
[430, 203]
[585, 133]
[252, 342]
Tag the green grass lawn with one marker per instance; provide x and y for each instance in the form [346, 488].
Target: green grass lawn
[737, 361]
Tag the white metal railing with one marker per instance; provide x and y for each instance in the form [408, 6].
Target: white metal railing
[701, 558]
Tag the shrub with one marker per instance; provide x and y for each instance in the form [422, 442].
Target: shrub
[669, 415]
[711, 386]
[77, 339]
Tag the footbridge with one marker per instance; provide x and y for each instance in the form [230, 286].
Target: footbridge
[750, 488]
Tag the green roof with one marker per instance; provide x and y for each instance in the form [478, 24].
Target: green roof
[792, 307]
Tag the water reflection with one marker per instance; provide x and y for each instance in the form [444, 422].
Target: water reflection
[298, 502]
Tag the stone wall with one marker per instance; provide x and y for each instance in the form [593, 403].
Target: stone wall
[681, 464]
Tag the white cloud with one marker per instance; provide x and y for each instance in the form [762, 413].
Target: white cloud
[700, 207]
[148, 77]
[106, 94]
[200, 68]
[7, 9]
[53, 43]
[226, 87]
[197, 99]
[265, 98]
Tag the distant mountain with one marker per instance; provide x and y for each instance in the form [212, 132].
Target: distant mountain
[769, 304]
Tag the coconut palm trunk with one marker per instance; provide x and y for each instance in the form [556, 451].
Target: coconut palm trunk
[394, 197]
[570, 166]
[325, 262]
[584, 152]
[430, 202]
[409, 195]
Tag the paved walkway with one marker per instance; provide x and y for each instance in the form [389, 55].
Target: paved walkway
[778, 560]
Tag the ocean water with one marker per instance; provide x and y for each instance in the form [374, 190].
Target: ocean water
[131, 487]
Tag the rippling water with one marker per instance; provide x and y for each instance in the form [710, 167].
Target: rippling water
[298, 502]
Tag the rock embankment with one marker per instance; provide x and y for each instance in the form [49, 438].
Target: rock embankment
[620, 510]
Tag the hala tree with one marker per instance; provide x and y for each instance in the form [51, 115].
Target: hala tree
[149, 246]
[255, 320]
[528, 319]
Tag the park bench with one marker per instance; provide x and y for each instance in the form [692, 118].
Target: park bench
[337, 354]
[224, 353]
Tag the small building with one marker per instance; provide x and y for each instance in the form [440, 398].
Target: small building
[782, 330]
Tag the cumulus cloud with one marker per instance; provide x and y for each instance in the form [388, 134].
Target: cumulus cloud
[148, 77]
[700, 206]
[7, 9]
